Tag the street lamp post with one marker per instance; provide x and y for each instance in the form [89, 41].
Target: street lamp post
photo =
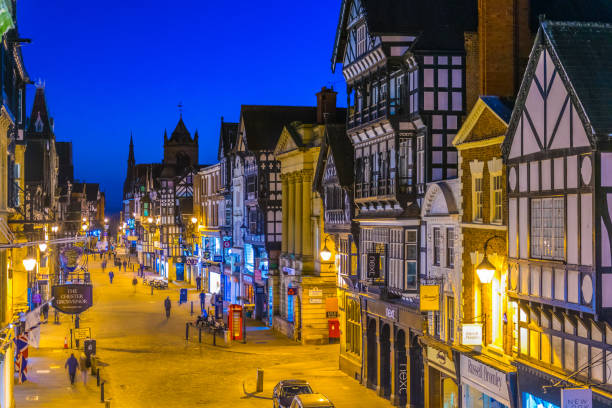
[486, 271]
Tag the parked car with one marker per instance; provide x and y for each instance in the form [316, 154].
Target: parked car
[287, 389]
[311, 401]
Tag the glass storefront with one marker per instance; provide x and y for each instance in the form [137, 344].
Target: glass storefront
[450, 393]
[474, 398]
[531, 401]
[214, 282]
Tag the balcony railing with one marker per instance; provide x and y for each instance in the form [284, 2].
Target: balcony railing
[335, 216]
[380, 187]
[384, 108]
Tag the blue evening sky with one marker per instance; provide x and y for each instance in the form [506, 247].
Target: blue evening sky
[115, 67]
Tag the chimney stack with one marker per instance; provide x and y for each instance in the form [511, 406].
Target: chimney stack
[326, 105]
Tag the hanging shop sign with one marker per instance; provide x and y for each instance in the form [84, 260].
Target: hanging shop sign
[484, 378]
[227, 244]
[402, 378]
[576, 398]
[291, 291]
[440, 360]
[70, 257]
[430, 298]
[471, 334]
[373, 265]
[218, 258]
[73, 298]
[132, 238]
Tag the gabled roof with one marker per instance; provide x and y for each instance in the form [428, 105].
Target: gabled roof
[39, 115]
[180, 134]
[338, 146]
[440, 23]
[264, 124]
[585, 53]
[227, 138]
[569, 10]
[582, 55]
[91, 190]
[488, 119]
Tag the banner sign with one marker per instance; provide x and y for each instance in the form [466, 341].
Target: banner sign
[576, 398]
[484, 378]
[430, 298]
[72, 298]
[402, 378]
[373, 265]
[70, 257]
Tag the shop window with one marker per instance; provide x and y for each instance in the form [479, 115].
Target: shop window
[353, 326]
[411, 259]
[450, 247]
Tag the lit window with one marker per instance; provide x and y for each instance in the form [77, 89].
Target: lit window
[547, 228]
[450, 247]
[497, 198]
[477, 199]
[361, 40]
[436, 239]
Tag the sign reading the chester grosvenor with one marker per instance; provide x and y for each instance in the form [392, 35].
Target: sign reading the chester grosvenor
[73, 298]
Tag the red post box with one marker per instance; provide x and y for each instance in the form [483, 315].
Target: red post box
[234, 322]
[334, 328]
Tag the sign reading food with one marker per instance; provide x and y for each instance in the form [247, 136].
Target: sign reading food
[73, 298]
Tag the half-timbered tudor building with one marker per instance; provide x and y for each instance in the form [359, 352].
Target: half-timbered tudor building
[405, 68]
[226, 155]
[333, 181]
[307, 282]
[259, 130]
[559, 160]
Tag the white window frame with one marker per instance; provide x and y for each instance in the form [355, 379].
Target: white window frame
[547, 228]
[476, 170]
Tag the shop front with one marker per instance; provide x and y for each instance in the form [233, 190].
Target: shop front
[214, 279]
[534, 390]
[441, 385]
[393, 355]
[483, 386]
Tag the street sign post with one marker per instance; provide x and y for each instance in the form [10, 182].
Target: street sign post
[82, 333]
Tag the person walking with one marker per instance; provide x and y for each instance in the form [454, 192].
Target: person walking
[83, 367]
[45, 312]
[199, 283]
[111, 275]
[202, 300]
[103, 265]
[134, 283]
[72, 365]
[167, 306]
[124, 266]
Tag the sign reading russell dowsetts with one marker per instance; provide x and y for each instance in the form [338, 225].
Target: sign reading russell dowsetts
[72, 299]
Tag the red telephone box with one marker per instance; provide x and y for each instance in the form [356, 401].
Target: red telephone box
[334, 328]
[234, 322]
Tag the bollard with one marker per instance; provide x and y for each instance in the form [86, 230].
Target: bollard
[93, 365]
[186, 331]
[56, 320]
[98, 377]
[200, 334]
[151, 290]
[214, 336]
[102, 392]
[192, 307]
[260, 376]
[107, 404]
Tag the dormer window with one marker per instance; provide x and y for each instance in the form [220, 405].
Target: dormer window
[38, 125]
[361, 40]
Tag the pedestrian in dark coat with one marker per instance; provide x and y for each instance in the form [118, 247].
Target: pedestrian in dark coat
[199, 283]
[72, 363]
[111, 275]
[202, 300]
[124, 266]
[45, 311]
[167, 306]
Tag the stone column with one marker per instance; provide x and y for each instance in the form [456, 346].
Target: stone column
[306, 211]
[285, 200]
[298, 214]
[290, 215]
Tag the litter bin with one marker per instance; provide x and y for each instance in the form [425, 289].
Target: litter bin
[226, 337]
[183, 296]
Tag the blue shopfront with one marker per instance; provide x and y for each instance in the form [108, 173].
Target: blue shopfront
[538, 389]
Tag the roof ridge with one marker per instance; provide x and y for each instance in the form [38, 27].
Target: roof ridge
[578, 23]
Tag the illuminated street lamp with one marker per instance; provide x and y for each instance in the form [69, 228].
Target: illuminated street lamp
[106, 220]
[84, 227]
[486, 270]
[325, 252]
[150, 220]
[194, 220]
[42, 247]
[29, 264]
[54, 228]
[84, 219]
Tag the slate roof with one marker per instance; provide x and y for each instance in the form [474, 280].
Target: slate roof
[91, 190]
[501, 107]
[227, 138]
[264, 124]
[569, 10]
[180, 134]
[585, 51]
[39, 108]
[337, 144]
